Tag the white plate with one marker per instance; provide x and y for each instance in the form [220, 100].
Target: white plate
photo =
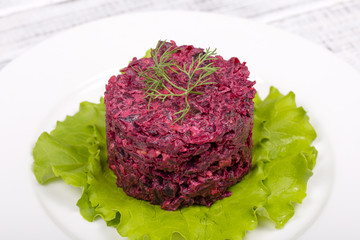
[49, 81]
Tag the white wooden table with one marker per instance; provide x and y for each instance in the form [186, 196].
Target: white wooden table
[334, 24]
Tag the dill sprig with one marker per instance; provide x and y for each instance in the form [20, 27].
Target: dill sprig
[157, 77]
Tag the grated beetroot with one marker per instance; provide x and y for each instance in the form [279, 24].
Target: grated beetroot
[176, 165]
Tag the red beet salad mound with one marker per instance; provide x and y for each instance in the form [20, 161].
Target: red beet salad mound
[187, 162]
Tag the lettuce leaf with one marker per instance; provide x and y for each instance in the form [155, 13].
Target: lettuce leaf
[282, 139]
[282, 162]
[65, 151]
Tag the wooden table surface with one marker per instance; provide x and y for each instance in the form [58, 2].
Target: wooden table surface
[333, 24]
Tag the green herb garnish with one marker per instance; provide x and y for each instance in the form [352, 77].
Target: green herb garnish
[159, 84]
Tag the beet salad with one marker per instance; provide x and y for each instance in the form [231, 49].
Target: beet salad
[179, 126]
